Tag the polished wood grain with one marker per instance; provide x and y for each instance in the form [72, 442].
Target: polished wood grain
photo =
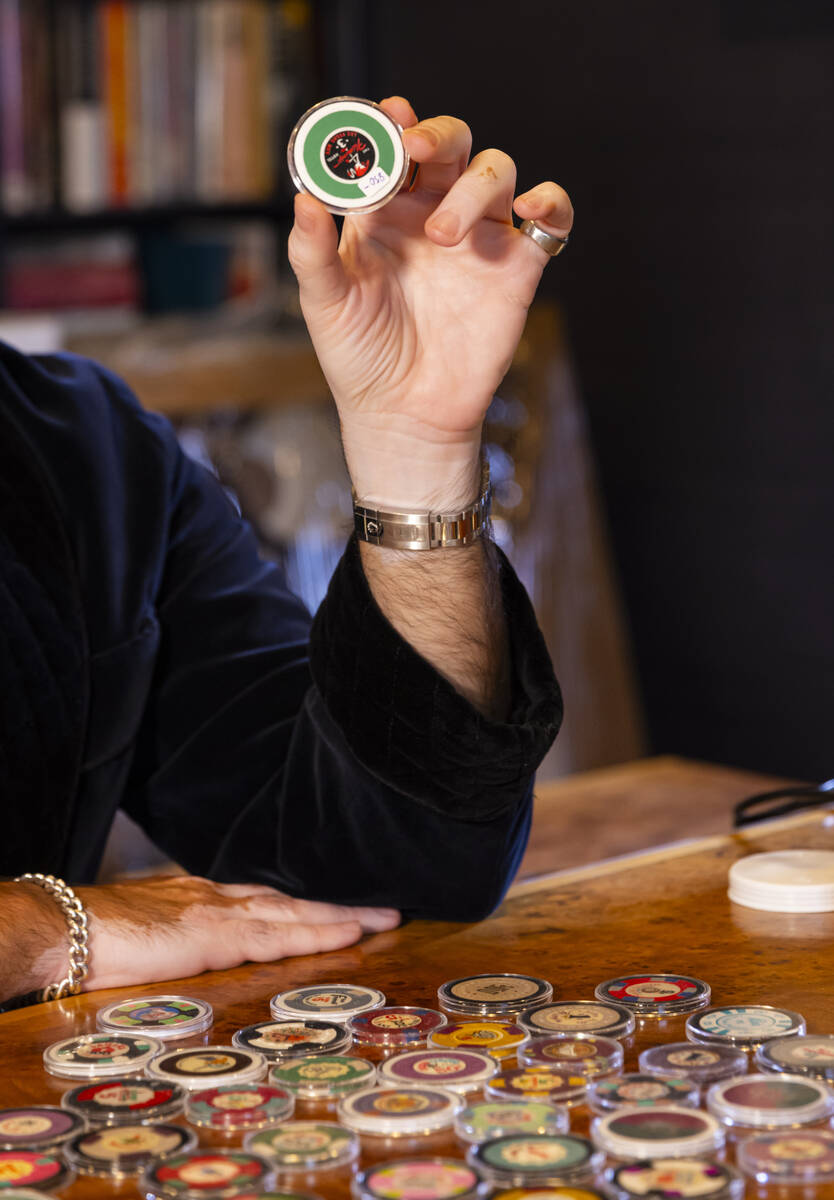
[663, 910]
[633, 806]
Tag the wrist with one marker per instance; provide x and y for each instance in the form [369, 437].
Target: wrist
[36, 953]
[396, 470]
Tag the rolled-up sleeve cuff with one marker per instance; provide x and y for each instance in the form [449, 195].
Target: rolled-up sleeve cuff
[408, 725]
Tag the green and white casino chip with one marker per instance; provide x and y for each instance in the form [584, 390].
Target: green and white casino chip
[349, 154]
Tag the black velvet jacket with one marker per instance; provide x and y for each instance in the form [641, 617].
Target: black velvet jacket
[150, 660]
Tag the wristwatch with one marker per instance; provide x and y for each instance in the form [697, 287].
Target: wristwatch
[425, 530]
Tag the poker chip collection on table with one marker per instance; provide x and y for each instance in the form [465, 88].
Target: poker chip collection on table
[501, 1090]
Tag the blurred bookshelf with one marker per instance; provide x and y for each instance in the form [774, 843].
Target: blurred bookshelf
[142, 144]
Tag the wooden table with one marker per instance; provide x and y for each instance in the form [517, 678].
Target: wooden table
[633, 806]
[663, 910]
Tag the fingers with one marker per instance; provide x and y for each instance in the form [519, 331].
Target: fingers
[315, 912]
[399, 108]
[266, 941]
[549, 206]
[259, 901]
[313, 251]
[441, 146]
[485, 189]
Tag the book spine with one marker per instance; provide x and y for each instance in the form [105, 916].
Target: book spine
[182, 61]
[15, 193]
[236, 146]
[114, 67]
[256, 47]
[81, 126]
[37, 103]
[143, 74]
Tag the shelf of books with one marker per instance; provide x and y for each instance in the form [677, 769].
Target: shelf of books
[142, 146]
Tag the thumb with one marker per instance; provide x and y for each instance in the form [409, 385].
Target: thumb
[313, 250]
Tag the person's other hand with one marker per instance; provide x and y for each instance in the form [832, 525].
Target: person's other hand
[416, 313]
[168, 927]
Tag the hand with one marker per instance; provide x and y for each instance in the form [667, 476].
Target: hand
[169, 927]
[416, 314]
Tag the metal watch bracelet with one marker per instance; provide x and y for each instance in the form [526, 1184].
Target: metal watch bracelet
[424, 530]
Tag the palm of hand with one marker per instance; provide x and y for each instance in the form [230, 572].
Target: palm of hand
[423, 331]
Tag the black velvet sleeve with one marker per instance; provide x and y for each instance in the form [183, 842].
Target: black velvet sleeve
[330, 762]
[409, 726]
[336, 763]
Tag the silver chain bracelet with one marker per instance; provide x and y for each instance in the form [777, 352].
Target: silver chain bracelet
[76, 918]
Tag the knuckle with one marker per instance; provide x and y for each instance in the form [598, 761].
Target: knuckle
[196, 886]
[282, 908]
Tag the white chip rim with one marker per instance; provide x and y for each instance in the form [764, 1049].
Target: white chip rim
[152, 1188]
[343, 206]
[786, 1178]
[615, 1055]
[700, 1076]
[263, 1119]
[99, 1070]
[363, 1190]
[254, 1073]
[110, 1168]
[46, 1142]
[375, 1000]
[348, 1155]
[321, 1089]
[406, 1126]
[602, 1104]
[187, 1029]
[633, 1149]
[733, 1188]
[769, 1118]
[707, 1037]
[626, 1025]
[124, 1116]
[395, 1036]
[519, 1178]
[470, 1083]
[569, 1097]
[500, 1050]
[767, 1058]
[497, 1009]
[642, 1007]
[555, 1119]
[275, 1055]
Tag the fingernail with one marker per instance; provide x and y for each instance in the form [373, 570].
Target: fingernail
[446, 223]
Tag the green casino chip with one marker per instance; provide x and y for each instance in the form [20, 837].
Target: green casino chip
[305, 1145]
[349, 154]
[323, 1076]
[521, 1159]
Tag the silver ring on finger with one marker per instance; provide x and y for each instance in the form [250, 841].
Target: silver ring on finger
[549, 242]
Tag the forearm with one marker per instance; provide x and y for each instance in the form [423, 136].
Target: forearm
[33, 940]
[445, 602]
[447, 605]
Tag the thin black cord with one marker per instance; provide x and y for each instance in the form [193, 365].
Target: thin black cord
[762, 808]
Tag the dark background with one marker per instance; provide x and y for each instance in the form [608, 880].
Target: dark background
[697, 142]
